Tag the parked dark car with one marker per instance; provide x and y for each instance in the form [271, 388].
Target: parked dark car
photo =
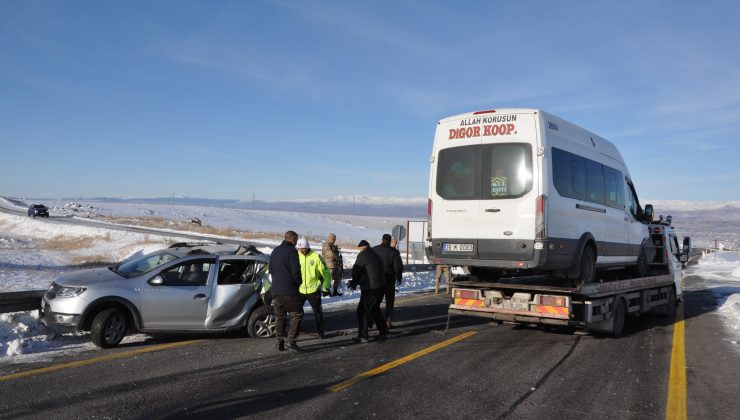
[38, 210]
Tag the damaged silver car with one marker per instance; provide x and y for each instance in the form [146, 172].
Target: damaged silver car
[185, 288]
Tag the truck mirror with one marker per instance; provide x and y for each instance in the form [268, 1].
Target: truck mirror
[648, 213]
[685, 250]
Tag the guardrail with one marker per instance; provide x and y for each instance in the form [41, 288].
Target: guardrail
[29, 300]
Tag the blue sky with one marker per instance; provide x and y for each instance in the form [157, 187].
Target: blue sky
[308, 99]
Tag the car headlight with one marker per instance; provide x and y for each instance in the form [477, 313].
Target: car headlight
[70, 291]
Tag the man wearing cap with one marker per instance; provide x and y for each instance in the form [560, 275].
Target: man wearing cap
[313, 274]
[334, 263]
[392, 270]
[367, 272]
[285, 271]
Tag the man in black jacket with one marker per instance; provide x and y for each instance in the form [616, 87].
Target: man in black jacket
[392, 271]
[285, 270]
[367, 273]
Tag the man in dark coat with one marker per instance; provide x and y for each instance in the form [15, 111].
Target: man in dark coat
[367, 273]
[285, 270]
[392, 274]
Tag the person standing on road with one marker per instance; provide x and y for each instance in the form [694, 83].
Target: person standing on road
[285, 270]
[334, 263]
[315, 281]
[367, 272]
[392, 271]
[438, 272]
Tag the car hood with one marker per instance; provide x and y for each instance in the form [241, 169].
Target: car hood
[88, 277]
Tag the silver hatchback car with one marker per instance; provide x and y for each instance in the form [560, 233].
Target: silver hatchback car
[184, 288]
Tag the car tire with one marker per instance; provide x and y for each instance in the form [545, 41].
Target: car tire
[108, 328]
[262, 322]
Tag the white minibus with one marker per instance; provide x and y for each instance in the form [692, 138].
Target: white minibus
[520, 191]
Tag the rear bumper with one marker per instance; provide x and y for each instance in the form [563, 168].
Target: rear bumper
[533, 255]
[512, 316]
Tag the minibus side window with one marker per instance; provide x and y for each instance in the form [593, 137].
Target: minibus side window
[595, 182]
[614, 188]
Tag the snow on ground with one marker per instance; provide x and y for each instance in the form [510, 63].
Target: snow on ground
[719, 272]
[33, 251]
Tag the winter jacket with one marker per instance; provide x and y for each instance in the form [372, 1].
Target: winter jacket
[285, 270]
[392, 264]
[330, 252]
[313, 271]
[368, 271]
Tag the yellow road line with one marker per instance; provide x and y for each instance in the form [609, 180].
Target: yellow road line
[94, 360]
[398, 362]
[676, 405]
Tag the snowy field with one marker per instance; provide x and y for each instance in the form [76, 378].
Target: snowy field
[719, 272]
[33, 252]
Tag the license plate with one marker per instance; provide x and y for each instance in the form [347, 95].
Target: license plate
[520, 303]
[458, 247]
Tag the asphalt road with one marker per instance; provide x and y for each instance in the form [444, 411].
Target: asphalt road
[491, 371]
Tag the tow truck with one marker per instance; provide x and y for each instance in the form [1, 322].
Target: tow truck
[600, 306]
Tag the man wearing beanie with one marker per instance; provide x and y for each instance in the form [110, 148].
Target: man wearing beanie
[315, 281]
[367, 272]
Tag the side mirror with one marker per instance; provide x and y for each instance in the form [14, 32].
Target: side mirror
[648, 214]
[156, 280]
[685, 250]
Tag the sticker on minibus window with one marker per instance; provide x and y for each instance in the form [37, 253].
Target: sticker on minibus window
[499, 186]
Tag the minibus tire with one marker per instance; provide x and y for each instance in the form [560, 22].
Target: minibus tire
[587, 265]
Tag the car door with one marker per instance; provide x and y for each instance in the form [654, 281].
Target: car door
[177, 297]
[237, 290]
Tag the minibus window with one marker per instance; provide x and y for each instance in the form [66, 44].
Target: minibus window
[507, 170]
[458, 173]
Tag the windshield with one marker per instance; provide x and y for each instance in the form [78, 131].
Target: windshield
[144, 264]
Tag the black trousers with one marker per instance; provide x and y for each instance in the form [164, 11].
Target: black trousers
[369, 309]
[314, 299]
[390, 300]
[280, 305]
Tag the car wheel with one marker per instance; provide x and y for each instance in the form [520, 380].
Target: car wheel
[262, 323]
[108, 328]
[587, 272]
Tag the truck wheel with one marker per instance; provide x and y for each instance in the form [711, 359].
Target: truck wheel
[108, 328]
[587, 265]
[642, 268]
[618, 316]
[262, 323]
